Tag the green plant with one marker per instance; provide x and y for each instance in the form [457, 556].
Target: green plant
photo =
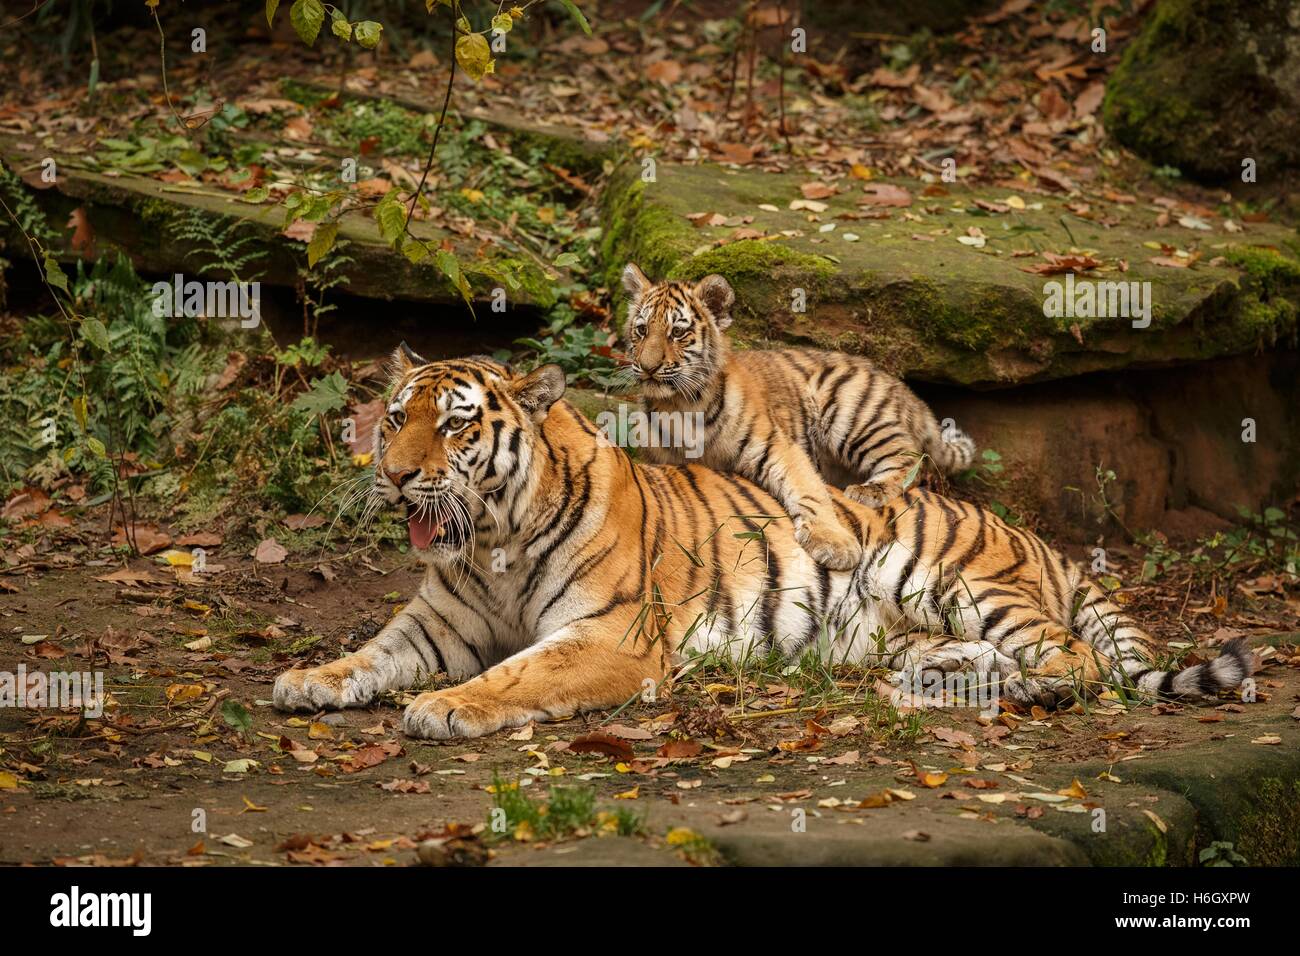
[1221, 853]
[585, 352]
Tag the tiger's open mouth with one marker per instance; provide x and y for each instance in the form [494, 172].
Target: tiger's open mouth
[433, 529]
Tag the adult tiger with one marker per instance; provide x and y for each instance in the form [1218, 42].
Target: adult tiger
[562, 576]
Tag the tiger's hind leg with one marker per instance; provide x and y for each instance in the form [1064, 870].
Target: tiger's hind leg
[1053, 665]
[884, 478]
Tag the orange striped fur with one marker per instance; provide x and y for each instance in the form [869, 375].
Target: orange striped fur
[788, 419]
[562, 576]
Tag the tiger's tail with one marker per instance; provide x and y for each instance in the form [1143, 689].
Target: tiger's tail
[951, 449]
[1133, 653]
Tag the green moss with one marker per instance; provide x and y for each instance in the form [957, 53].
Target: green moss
[1268, 833]
[1196, 88]
[1270, 292]
[638, 231]
[753, 259]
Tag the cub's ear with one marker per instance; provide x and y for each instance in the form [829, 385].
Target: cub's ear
[537, 391]
[634, 280]
[715, 292]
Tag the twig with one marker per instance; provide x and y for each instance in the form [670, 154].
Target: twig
[442, 118]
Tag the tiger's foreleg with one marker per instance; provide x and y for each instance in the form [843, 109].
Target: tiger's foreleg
[416, 643]
[586, 666]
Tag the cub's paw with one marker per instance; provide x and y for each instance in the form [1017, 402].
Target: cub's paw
[873, 494]
[829, 544]
[347, 682]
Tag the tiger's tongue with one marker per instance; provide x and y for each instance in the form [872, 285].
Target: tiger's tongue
[422, 530]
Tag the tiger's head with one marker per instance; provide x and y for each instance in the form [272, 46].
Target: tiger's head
[674, 332]
[455, 445]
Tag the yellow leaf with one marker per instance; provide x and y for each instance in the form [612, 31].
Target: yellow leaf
[632, 794]
[858, 171]
[178, 559]
[474, 55]
[8, 781]
[681, 836]
[1074, 790]
[320, 731]
[362, 460]
[473, 195]
[251, 807]
[179, 693]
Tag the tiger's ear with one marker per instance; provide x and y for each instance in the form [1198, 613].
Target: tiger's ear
[634, 280]
[537, 391]
[715, 292]
[403, 360]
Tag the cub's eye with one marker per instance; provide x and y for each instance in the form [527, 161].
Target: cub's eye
[454, 425]
[397, 417]
[680, 329]
[638, 330]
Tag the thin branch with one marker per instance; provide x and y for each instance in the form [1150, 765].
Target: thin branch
[442, 118]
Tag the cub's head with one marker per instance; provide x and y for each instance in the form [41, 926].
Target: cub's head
[455, 444]
[674, 332]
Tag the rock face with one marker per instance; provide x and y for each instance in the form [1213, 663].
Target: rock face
[1064, 401]
[907, 292]
[1208, 83]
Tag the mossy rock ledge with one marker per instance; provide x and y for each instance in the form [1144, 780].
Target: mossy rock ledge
[926, 306]
[1207, 84]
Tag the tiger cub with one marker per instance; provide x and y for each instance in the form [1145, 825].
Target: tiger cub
[782, 418]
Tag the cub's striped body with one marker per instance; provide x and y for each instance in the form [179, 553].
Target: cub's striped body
[788, 419]
[562, 576]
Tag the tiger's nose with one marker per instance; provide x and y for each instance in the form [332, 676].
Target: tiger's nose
[650, 366]
[399, 476]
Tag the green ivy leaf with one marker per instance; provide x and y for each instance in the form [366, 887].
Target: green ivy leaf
[339, 26]
[368, 33]
[503, 22]
[257, 194]
[415, 251]
[96, 447]
[327, 394]
[94, 332]
[307, 17]
[474, 56]
[271, 7]
[449, 266]
[566, 259]
[236, 715]
[577, 15]
[391, 216]
[54, 274]
[322, 241]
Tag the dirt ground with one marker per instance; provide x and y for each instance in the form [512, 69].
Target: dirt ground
[169, 775]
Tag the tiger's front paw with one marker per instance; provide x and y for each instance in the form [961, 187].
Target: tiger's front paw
[873, 494]
[347, 682]
[829, 544]
[440, 714]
